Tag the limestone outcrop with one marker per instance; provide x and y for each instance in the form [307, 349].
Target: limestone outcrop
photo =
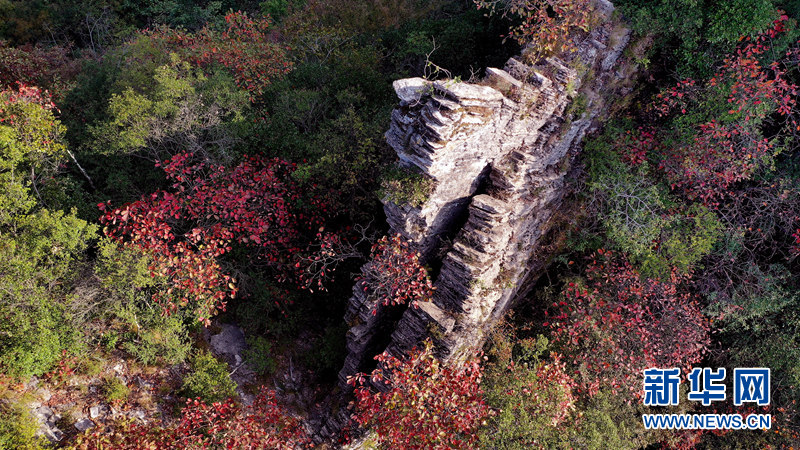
[498, 153]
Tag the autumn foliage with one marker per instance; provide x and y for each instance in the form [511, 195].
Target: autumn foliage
[546, 25]
[51, 69]
[727, 150]
[394, 274]
[618, 324]
[218, 425]
[420, 403]
[188, 228]
[247, 49]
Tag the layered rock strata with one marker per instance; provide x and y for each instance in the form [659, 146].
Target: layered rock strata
[498, 153]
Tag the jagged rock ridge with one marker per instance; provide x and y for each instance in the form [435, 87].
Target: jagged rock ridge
[498, 152]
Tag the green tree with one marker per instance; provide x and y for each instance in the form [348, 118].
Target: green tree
[184, 110]
[38, 246]
[698, 32]
[208, 379]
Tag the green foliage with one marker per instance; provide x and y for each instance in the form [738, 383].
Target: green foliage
[530, 406]
[99, 24]
[535, 404]
[760, 326]
[38, 247]
[141, 330]
[359, 16]
[327, 355]
[762, 329]
[698, 32]
[154, 339]
[114, 390]
[401, 185]
[34, 337]
[460, 38]
[208, 379]
[18, 428]
[607, 422]
[577, 107]
[327, 116]
[90, 364]
[261, 313]
[109, 340]
[279, 9]
[31, 137]
[641, 217]
[123, 270]
[259, 355]
[184, 110]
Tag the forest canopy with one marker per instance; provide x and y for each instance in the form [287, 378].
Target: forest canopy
[175, 171]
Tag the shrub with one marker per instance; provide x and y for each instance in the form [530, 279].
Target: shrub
[422, 404]
[114, 390]
[182, 109]
[545, 25]
[641, 217]
[122, 270]
[154, 338]
[698, 40]
[401, 185]
[18, 428]
[264, 424]
[38, 247]
[617, 323]
[608, 422]
[532, 394]
[259, 355]
[209, 208]
[208, 379]
[394, 274]
[327, 356]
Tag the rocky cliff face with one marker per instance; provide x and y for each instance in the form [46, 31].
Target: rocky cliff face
[498, 153]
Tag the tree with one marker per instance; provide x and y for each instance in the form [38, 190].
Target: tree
[185, 230]
[531, 394]
[49, 68]
[654, 227]
[246, 49]
[38, 246]
[546, 25]
[695, 35]
[181, 110]
[208, 380]
[728, 118]
[419, 403]
[616, 324]
[394, 274]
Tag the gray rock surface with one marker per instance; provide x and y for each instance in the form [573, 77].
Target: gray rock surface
[48, 419]
[230, 341]
[84, 424]
[98, 411]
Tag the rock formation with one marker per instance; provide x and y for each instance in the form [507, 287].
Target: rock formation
[498, 153]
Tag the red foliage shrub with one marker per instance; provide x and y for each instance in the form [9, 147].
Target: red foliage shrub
[422, 405]
[728, 150]
[546, 24]
[620, 324]
[255, 203]
[394, 274]
[247, 49]
[218, 425]
[49, 68]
